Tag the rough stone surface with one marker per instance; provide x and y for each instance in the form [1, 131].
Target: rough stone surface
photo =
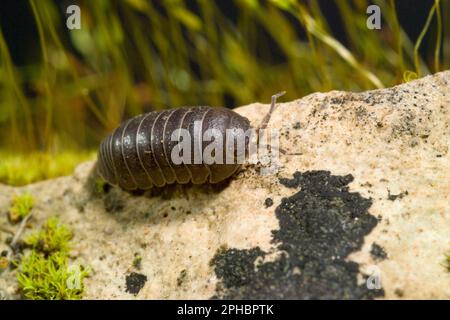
[365, 186]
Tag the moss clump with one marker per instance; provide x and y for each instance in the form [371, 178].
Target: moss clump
[44, 273]
[4, 262]
[52, 237]
[20, 207]
[137, 261]
[50, 278]
[100, 186]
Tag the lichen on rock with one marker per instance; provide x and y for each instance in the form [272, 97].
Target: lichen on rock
[319, 227]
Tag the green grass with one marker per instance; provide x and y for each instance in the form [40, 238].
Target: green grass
[131, 57]
[20, 207]
[44, 272]
[20, 169]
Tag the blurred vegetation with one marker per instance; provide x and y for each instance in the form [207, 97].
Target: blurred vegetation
[134, 56]
[19, 168]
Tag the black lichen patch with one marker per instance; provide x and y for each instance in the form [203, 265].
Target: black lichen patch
[377, 252]
[234, 274]
[393, 197]
[135, 282]
[182, 277]
[268, 202]
[319, 227]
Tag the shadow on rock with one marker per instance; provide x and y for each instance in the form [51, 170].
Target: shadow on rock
[118, 203]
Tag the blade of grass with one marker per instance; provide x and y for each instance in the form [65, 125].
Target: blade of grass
[417, 64]
[438, 36]
[12, 82]
[343, 52]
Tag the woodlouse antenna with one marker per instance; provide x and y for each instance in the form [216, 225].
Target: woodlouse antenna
[266, 118]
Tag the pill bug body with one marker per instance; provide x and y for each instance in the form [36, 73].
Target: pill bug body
[137, 154]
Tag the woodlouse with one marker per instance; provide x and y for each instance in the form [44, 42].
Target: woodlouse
[136, 155]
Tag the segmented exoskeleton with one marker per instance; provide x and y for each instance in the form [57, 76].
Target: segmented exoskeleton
[137, 154]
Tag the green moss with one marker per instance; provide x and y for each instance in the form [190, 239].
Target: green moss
[4, 263]
[137, 261]
[45, 273]
[100, 186]
[20, 207]
[20, 169]
[50, 277]
[52, 237]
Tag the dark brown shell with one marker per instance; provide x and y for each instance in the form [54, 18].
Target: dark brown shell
[136, 155]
